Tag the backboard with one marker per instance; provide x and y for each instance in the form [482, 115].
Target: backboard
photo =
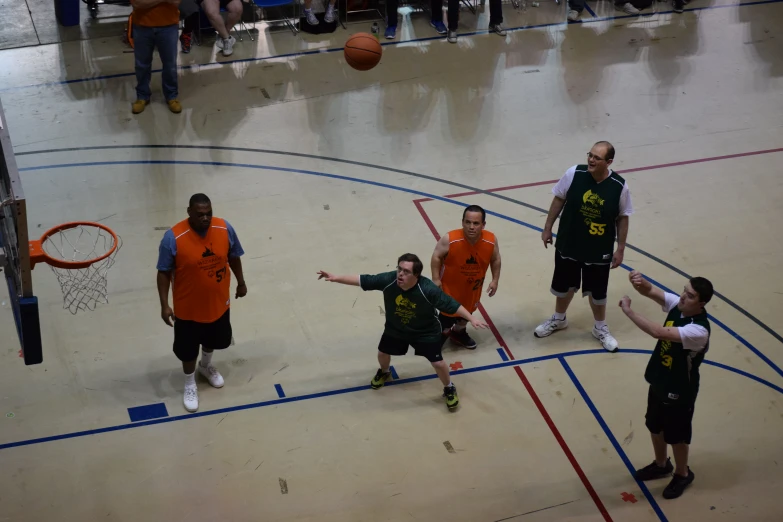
[15, 251]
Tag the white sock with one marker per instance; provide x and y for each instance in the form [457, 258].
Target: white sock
[559, 316]
[600, 324]
[190, 380]
[206, 358]
[450, 384]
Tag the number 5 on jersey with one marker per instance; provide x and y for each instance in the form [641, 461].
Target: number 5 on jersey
[597, 229]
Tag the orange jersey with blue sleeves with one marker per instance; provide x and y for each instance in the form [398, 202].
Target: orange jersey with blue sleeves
[201, 279]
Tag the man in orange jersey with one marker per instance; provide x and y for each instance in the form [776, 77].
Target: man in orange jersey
[194, 257]
[459, 265]
[155, 25]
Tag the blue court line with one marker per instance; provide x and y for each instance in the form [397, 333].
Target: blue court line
[502, 354]
[394, 373]
[590, 10]
[280, 392]
[209, 65]
[353, 389]
[497, 195]
[612, 439]
[451, 201]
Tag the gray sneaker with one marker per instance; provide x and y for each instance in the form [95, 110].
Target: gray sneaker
[550, 326]
[452, 38]
[497, 29]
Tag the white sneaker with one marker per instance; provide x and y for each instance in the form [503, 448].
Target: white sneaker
[573, 15]
[550, 326]
[629, 8]
[190, 398]
[310, 17]
[607, 340]
[226, 44]
[330, 15]
[452, 38]
[211, 374]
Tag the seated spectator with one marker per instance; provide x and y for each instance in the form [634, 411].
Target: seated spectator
[329, 17]
[155, 25]
[495, 18]
[632, 7]
[189, 12]
[436, 7]
[211, 8]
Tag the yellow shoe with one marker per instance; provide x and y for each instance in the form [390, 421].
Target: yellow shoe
[175, 106]
[138, 106]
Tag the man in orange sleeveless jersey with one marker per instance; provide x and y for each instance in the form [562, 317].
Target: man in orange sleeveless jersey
[459, 266]
[194, 258]
[155, 25]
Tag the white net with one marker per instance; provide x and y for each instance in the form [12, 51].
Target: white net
[83, 288]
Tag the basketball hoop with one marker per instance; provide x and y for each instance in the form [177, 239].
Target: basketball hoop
[80, 254]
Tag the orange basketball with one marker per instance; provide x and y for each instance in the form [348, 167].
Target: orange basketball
[362, 51]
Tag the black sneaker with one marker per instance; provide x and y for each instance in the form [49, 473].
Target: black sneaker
[678, 5]
[462, 337]
[452, 399]
[678, 485]
[380, 379]
[654, 471]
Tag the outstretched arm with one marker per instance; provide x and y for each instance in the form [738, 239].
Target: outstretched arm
[477, 323]
[352, 280]
[644, 287]
[663, 333]
[438, 257]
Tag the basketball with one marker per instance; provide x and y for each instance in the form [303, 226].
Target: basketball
[362, 51]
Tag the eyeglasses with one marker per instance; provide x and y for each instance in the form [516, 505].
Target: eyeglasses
[404, 271]
[590, 155]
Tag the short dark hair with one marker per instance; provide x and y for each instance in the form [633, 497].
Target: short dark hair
[412, 258]
[197, 199]
[475, 208]
[609, 149]
[703, 287]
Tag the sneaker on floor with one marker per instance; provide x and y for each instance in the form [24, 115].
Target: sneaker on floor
[175, 106]
[211, 374]
[310, 17]
[186, 40]
[330, 15]
[380, 379]
[497, 29]
[678, 6]
[462, 337]
[391, 32]
[550, 326]
[573, 15]
[452, 38]
[654, 471]
[138, 106]
[439, 26]
[226, 45]
[190, 398]
[607, 340]
[452, 399]
[678, 484]
[628, 8]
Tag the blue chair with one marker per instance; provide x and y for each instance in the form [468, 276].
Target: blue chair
[204, 24]
[292, 22]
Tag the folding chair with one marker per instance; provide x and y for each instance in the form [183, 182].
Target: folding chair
[266, 4]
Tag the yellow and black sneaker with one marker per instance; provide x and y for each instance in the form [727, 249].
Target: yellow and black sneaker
[380, 379]
[452, 399]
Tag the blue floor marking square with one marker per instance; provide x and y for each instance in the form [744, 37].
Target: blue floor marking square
[150, 411]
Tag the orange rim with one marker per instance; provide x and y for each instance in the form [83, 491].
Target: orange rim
[37, 254]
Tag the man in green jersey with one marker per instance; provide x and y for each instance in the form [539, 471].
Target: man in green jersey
[412, 303]
[673, 374]
[595, 203]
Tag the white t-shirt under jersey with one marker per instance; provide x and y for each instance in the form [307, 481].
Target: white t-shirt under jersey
[561, 189]
[694, 337]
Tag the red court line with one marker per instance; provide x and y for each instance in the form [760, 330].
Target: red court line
[529, 387]
[624, 171]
